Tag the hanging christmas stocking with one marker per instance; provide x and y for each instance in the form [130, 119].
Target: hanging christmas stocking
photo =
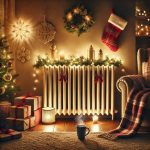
[112, 31]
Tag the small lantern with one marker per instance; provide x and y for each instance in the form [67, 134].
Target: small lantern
[48, 115]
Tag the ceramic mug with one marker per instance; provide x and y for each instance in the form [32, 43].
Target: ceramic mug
[82, 131]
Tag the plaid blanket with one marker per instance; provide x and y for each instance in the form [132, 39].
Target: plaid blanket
[134, 112]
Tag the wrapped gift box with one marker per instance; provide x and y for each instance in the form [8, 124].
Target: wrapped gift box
[20, 124]
[4, 112]
[38, 116]
[9, 135]
[32, 122]
[4, 109]
[35, 102]
[20, 112]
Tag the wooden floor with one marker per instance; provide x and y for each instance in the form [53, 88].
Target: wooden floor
[69, 125]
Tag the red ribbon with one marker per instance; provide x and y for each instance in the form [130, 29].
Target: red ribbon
[63, 77]
[25, 98]
[98, 78]
[22, 104]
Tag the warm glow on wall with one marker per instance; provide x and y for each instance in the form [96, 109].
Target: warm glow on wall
[21, 30]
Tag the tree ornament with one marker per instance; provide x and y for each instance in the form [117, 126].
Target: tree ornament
[23, 55]
[112, 31]
[78, 19]
[45, 31]
[21, 31]
[2, 90]
[7, 77]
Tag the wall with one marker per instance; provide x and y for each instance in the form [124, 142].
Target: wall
[70, 43]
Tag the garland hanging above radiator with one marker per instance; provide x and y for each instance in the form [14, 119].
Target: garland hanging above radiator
[79, 89]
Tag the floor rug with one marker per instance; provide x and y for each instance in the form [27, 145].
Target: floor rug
[68, 141]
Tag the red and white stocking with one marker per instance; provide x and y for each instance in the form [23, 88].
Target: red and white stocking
[112, 31]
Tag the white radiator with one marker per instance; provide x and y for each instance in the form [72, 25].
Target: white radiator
[80, 93]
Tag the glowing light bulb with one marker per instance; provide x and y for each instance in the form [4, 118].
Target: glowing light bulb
[34, 75]
[87, 18]
[34, 88]
[12, 86]
[69, 16]
[36, 81]
[123, 70]
[37, 71]
[76, 10]
[8, 56]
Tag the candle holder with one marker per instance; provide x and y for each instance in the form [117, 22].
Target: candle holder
[48, 115]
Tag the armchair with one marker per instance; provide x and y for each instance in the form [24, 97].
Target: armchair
[125, 84]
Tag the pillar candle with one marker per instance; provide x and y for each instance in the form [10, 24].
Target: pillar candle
[91, 53]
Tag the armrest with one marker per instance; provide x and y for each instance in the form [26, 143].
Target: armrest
[124, 85]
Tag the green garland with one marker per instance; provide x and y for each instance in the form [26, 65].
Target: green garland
[41, 62]
[78, 19]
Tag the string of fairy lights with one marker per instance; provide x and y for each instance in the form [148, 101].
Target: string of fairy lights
[35, 76]
[142, 22]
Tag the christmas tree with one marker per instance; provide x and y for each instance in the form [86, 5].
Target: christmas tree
[8, 76]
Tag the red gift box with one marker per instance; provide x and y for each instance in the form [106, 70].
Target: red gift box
[34, 101]
[38, 116]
